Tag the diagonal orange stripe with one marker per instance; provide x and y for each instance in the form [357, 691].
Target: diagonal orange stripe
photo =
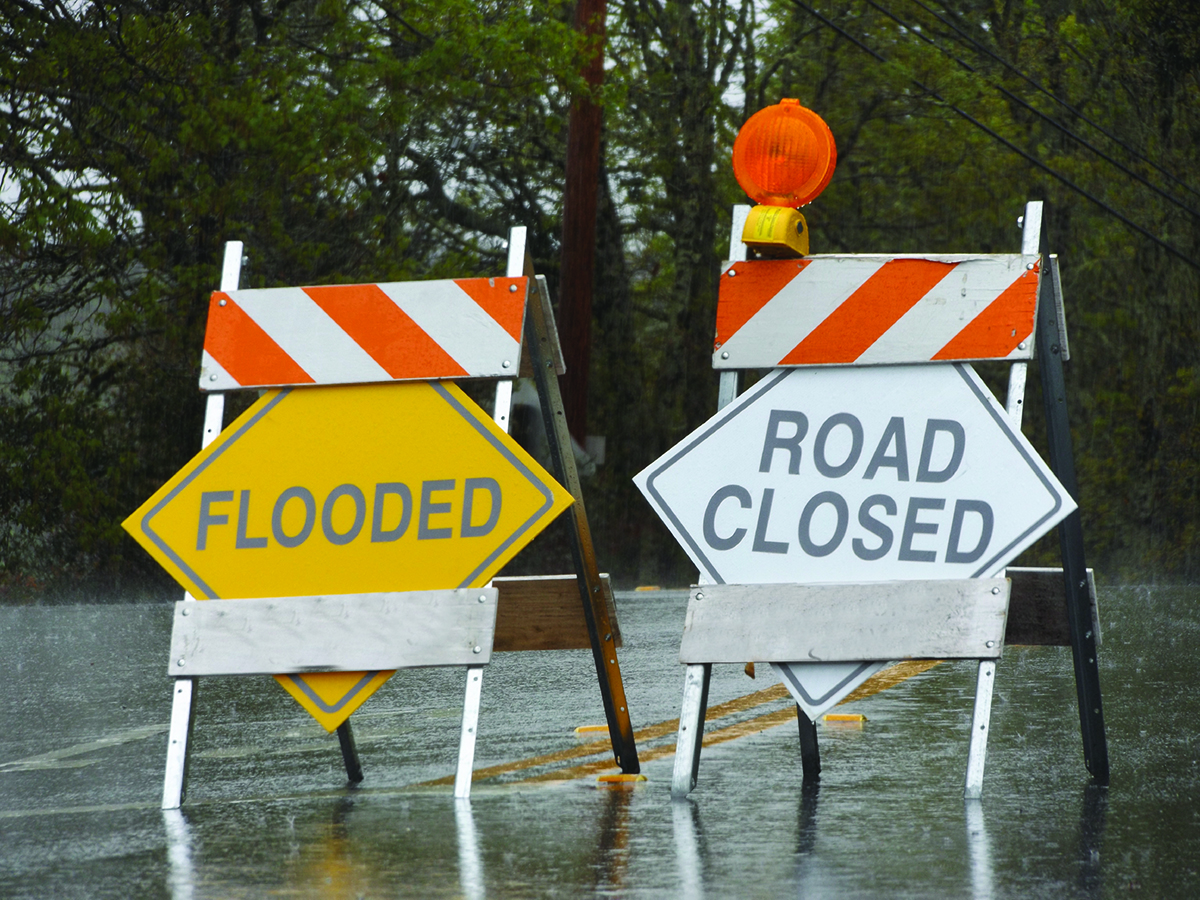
[1002, 325]
[244, 350]
[385, 331]
[496, 297]
[743, 294]
[871, 310]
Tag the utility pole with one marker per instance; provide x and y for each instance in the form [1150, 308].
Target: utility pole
[578, 265]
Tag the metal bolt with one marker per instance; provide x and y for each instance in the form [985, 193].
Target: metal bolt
[608, 637]
[1029, 266]
[180, 663]
[699, 595]
[221, 302]
[512, 288]
[212, 377]
[186, 611]
[483, 598]
[505, 364]
[1021, 346]
[725, 355]
[995, 590]
[991, 644]
[477, 649]
[1020, 221]
[732, 272]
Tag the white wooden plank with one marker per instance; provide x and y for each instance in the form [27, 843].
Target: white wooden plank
[1031, 228]
[737, 250]
[980, 725]
[691, 730]
[182, 708]
[334, 633]
[952, 619]
[470, 730]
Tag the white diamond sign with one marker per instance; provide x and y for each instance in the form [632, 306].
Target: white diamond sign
[850, 475]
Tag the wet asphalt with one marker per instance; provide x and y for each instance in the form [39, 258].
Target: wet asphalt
[85, 700]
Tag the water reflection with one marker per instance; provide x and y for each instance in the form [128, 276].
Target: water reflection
[685, 816]
[333, 860]
[181, 873]
[470, 864]
[613, 863]
[808, 866]
[980, 850]
[1092, 819]
[806, 831]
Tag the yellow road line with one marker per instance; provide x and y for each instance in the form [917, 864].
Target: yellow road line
[720, 736]
[890, 677]
[880, 681]
[594, 748]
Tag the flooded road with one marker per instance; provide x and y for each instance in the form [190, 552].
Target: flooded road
[84, 705]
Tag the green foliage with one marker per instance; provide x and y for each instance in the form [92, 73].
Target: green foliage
[347, 141]
[340, 141]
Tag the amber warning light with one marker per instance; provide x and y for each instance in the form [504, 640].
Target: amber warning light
[783, 158]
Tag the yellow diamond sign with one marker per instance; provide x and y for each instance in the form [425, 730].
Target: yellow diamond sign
[346, 490]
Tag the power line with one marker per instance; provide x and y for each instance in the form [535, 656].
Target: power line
[1170, 198]
[982, 48]
[1003, 140]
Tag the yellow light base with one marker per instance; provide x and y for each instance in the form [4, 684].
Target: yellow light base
[844, 718]
[776, 232]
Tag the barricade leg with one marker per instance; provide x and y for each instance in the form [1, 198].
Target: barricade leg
[470, 725]
[349, 752]
[595, 608]
[810, 750]
[1070, 531]
[691, 729]
[980, 725]
[183, 705]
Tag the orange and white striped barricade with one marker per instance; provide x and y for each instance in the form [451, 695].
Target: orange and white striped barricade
[863, 500]
[332, 627]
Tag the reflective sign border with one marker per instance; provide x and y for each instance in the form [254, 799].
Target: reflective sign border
[965, 372]
[272, 401]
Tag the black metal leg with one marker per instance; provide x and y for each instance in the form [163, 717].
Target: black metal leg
[810, 752]
[349, 753]
[1070, 532]
[595, 608]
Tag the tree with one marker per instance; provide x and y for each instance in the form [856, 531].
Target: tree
[340, 141]
[365, 141]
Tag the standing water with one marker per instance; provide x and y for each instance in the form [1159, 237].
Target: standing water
[85, 700]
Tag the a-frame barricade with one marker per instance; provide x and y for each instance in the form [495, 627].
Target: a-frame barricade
[851, 623]
[457, 626]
